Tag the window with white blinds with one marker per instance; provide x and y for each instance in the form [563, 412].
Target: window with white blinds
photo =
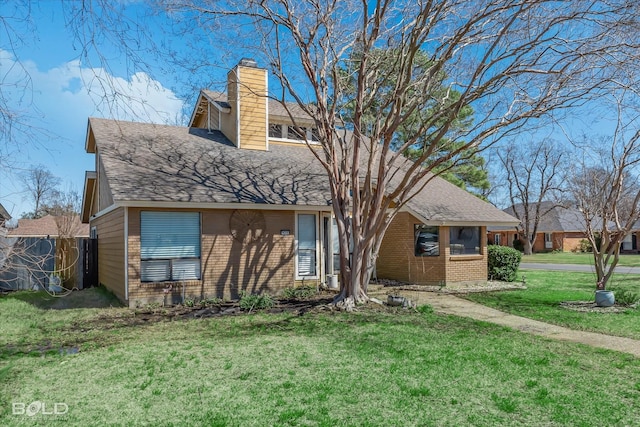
[169, 246]
[307, 245]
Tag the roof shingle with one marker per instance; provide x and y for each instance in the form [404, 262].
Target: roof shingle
[157, 163]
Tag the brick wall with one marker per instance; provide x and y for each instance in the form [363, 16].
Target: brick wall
[571, 241]
[228, 265]
[463, 269]
[397, 259]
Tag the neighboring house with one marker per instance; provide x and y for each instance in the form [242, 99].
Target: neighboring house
[630, 242]
[38, 248]
[559, 228]
[237, 202]
[50, 227]
[4, 216]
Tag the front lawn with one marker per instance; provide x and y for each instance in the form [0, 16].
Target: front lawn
[628, 260]
[323, 368]
[547, 289]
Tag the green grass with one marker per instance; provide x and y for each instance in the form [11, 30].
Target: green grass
[547, 289]
[326, 369]
[628, 260]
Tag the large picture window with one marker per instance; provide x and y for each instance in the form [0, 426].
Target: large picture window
[426, 239]
[169, 246]
[464, 240]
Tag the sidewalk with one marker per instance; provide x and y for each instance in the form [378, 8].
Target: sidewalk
[449, 304]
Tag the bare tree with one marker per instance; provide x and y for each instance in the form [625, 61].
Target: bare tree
[607, 191]
[64, 206]
[512, 62]
[41, 184]
[534, 173]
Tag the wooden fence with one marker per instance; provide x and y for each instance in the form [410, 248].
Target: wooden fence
[29, 262]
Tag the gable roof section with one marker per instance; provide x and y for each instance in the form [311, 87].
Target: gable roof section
[157, 165]
[277, 111]
[553, 218]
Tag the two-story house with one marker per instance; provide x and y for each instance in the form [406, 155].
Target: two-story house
[236, 201]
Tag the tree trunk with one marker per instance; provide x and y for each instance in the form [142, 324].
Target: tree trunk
[528, 246]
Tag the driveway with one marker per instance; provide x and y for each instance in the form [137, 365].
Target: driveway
[575, 267]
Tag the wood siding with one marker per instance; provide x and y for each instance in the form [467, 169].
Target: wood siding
[212, 112]
[105, 198]
[252, 96]
[229, 122]
[110, 229]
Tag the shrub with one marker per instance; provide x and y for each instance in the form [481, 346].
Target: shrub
[585, 246]
[255, 302]
[206, 302]
[503, 263]
[518, 245]
[300, 292]
[625, 296]
[425, 309]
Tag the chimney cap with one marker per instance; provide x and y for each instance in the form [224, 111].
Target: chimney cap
[248, 62]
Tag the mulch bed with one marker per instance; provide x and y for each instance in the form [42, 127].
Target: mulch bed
[591, 307]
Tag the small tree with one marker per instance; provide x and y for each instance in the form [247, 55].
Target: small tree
[608, 195]
[609, 205]
[65, 206]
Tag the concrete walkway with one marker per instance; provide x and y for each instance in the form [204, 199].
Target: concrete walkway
[449, 304]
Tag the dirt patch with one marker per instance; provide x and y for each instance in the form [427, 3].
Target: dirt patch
[489, 286]
[97, 297]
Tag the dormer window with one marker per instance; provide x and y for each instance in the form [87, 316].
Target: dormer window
[293, 133]
[275, 131]
[312, 134]
[296, 133]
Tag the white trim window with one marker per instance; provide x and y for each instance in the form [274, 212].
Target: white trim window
[496, 239]
[426, 240]
[464, 240]
[306, 246]
[548, 241]
[169, 246]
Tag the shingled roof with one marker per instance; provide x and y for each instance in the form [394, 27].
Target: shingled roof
[156, 163]
[47, 226]
[554, 218]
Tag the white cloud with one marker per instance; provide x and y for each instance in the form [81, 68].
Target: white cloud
[56, 103]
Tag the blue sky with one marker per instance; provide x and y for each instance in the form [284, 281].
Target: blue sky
[63, 92]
